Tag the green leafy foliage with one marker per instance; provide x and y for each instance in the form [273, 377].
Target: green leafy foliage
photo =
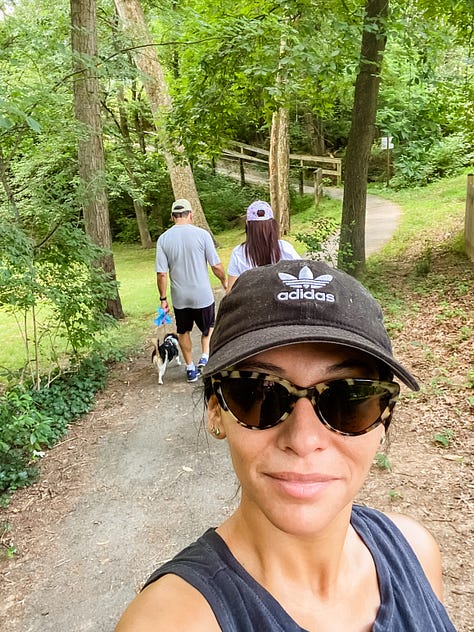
[424, 161]
[24, 428]
[72, 394]
[382, 461]
[51, 281]
[33, 420]
[224, 200]
[321, 229]
[444, 438]
[249, 58]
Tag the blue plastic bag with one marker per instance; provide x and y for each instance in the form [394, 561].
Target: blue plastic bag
[163, 317]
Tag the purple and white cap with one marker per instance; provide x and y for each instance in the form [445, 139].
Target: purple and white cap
[259, 210]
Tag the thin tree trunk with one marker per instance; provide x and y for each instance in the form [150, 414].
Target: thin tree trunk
[138, 118]
[352, 244]
[279, 169]
[314, 128]
[146, 60]
[6, 185]
[142, 222]
[91, 163]
[273, 166]
[284, 171]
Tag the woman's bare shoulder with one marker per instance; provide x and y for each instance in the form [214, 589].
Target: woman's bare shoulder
[168, 604]
[425, 546]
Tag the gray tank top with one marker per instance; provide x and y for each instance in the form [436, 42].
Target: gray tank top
[240, 604]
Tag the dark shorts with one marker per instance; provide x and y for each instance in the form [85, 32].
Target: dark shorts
[204, 318]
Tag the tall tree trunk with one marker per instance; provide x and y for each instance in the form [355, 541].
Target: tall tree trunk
[279, 169]
[146, 60]
[91, 161]
[352, 244]
[138, 118]
[273, 166]
[6, 185]
[283, 169]
[279, 159]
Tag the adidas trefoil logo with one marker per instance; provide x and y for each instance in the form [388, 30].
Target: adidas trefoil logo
[305, 286]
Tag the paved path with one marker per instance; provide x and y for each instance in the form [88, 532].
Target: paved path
[382, 216]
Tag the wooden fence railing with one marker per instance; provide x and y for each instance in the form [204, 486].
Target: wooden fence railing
[247, 153]
[469, 218]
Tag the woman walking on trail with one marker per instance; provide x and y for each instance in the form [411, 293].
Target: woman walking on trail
[301, 386]
[261, 246]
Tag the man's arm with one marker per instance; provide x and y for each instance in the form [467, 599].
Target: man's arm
[219, 272]
[162, 283]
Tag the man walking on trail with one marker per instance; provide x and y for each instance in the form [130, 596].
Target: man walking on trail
[184, 251]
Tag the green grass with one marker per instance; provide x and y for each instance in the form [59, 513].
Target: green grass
[135, 268]
[12, 351]
[425, 209]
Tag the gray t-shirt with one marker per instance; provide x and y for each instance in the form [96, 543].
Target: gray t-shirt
[184, 251]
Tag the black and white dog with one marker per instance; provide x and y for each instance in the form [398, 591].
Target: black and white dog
[165, 353]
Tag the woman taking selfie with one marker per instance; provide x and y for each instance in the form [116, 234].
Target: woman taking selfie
[301, 388]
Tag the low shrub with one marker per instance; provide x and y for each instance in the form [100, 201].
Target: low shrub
[224, 200]
[424, 161]
[34, 420]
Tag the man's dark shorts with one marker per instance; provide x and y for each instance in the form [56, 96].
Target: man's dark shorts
[204, 318]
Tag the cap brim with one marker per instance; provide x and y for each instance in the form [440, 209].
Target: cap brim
[254, 342]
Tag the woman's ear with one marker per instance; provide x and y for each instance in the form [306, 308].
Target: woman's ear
[214, 418]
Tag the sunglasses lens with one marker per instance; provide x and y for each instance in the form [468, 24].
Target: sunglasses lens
[352, 408]
[256, 402]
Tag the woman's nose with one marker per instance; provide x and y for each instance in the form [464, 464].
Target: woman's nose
[302, 431]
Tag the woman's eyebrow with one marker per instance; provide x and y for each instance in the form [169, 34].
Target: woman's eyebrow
[349, 363]
[260, 367]
[352, 363]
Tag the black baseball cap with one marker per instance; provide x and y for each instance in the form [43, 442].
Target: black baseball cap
[299, 301]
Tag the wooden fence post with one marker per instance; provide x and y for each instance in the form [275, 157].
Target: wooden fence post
[339, 173]
[242, 172]
[301, 174]
[469, 218]
[318, 185]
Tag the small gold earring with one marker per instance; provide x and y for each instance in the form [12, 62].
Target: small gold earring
[215, 431]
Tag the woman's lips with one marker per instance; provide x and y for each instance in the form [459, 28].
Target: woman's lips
[302, 486]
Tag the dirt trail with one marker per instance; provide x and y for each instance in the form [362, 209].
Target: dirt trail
[138, 478]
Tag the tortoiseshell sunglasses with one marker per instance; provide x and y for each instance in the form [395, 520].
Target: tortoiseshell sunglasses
[350, 407]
